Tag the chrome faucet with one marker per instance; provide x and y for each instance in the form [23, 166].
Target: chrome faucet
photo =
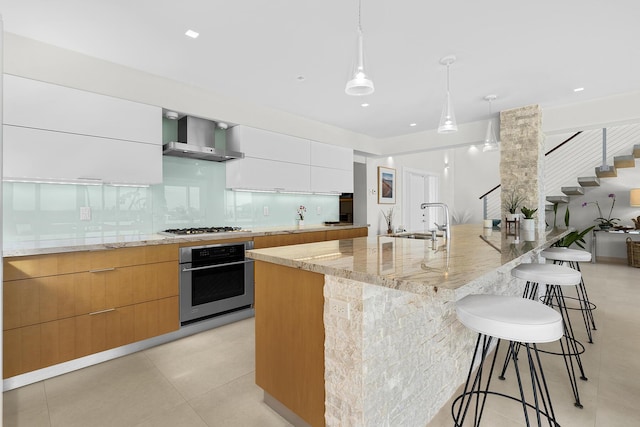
[446, 227]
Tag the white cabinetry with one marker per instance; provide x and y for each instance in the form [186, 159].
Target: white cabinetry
[285, 163]
[58, 133]
[263, 174]
[264, 144]
[272, 161]
[331, 168]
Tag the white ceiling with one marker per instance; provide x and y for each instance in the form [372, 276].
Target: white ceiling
[525, 52]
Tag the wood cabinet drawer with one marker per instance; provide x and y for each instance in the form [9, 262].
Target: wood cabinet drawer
[37, 346]
[137, 255]
[16, 268]
[43, 299]
[347, 234]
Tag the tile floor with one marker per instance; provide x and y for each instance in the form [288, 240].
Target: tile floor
[208, 379]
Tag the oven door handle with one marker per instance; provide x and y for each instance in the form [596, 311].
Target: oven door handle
[207, 267]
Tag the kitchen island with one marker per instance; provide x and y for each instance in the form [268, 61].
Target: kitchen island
[362, 332]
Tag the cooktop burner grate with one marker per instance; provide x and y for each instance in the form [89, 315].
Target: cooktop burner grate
[202, 230]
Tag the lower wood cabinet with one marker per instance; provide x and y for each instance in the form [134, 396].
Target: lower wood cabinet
[56, 317]
[289, 327]
[37, 346]
[307, 237]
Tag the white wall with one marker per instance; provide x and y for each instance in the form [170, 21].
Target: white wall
[470, 174]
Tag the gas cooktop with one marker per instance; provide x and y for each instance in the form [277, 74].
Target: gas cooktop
[200, 230]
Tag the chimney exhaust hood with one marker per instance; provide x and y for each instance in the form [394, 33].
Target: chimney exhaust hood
[197, 141]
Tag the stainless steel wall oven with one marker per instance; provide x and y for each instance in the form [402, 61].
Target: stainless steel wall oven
[214, 280]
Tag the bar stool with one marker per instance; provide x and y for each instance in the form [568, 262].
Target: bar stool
[555, 277]
[518, 320]
[573, 257]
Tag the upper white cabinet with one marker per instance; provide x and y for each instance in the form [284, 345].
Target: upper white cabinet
[331, 156]
[331, 168]
[59, 133]
[264, 144]
[264, 174]
[35, 154]
[286, 163]
[272, 161]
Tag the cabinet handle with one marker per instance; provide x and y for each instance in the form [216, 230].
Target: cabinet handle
[102, 311]
[102, 270]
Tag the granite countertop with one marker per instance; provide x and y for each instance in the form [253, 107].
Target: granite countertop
[412, 264]
[76, 244]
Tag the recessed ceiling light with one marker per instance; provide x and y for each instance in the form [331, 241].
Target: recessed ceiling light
[364, 105]
[300, 78]
[192, 34]
[412, 124]
[578, 89]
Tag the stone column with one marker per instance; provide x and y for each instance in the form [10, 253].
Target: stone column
[522, 158]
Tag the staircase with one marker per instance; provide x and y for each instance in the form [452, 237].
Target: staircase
[583, 151]
[619, 162]
[572, 158]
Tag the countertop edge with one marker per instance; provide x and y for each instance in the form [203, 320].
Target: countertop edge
[404, 284]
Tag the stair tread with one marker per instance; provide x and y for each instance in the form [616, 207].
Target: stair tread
[572, 191]
[589, 181]
[610, 173]
[636, 151]
[558, 199]
[624, 161]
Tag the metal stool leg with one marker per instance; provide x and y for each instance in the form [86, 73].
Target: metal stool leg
[541, 397]
[570, 347]
[586, 306]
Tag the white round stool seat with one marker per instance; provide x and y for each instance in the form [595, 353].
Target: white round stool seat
[566, 254]
[510, 318]
[551, 274]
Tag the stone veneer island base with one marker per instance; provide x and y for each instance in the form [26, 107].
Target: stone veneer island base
[397, 353]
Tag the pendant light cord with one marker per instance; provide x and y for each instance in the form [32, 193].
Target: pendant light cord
[448, 63]
[359, 16]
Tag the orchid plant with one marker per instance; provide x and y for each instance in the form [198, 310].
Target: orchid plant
[301, 211]
[608, 221]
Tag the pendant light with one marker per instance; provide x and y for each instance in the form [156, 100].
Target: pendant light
[359, 84]
[448, 119]
[490, 140]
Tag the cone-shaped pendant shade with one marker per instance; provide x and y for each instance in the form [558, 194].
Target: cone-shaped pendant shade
[359, 84]
[447, 119]
[490, 141]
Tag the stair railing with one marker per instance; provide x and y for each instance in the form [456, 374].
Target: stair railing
[491, 199]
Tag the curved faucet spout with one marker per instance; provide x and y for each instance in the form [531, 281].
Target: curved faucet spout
[446, 227]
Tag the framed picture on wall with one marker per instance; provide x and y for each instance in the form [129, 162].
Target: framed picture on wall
[386, 185]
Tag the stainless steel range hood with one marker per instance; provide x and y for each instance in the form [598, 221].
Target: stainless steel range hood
[196, 138]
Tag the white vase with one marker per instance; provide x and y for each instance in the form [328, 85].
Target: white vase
[528, 224]
[528, 235]
[301, 222]
[513, 217]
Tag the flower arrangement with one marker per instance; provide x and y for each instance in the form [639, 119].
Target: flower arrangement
[301, 211]
[388, 218]
[608, 221]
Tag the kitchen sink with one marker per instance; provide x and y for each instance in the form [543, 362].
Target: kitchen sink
[419, 236]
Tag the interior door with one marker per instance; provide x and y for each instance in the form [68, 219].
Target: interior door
[420, 187]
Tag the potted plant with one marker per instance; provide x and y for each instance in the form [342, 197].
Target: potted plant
[608, 222]
[388, 218]
[528, 222]
[511, 205]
